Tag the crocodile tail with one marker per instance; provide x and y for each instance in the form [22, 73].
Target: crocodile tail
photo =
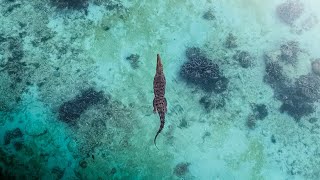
[162, 121]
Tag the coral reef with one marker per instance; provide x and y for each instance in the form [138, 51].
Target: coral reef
[297, 99]
[102, 125]
[12, 134]
[316, 66]
[209, 102]
[12, 62]
[70, 4]
[275, 76]
[273, 139]
[193, 53]
[13, 71]
[201, 71]
[6, 175]
[290, 11]
[310, 22]
[71, 110]
[208, 15]
[251, 121]
[181, 169]
[183, 123]
[83, 164]
[18, 145]
[134, 60]
[308, 87]
[289, 52]
[260, 111]
[231, 41]
[57, 172]
[244, 58]
[295, 105]
[297, 96]
[313, 120]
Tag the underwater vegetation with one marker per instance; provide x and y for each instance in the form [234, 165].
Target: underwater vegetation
[71, 110]
[201, 71]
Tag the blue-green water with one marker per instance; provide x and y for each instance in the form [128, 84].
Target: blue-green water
[242, 87]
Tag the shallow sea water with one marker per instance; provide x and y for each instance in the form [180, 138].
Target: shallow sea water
[242, 89]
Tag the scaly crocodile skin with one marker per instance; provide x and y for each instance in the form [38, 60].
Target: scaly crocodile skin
[159, 101]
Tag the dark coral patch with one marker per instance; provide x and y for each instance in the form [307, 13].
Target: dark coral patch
[12, 134]
[71, 110]
[181, 169]
[260, 111]
[201, 71]
[244, 58]
[70, 4]
[289, 11]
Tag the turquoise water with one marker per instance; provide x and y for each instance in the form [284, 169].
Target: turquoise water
[242, 88]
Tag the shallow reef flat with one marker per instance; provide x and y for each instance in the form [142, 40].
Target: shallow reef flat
[76, 89]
